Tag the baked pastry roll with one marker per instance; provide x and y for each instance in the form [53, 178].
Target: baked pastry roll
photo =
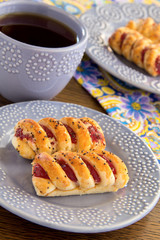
[117, 38]
[147, 27]
[138, 51]
[79, 133]
[77, 173]
[57, 134]
[137, 48]
[128, 44]
[30, 139]
[117, 166]
[96, 133]
[152, 59]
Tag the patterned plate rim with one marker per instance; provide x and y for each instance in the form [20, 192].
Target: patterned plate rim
[149, 79]
[71, 227]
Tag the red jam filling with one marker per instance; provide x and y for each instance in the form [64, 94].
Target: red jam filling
[67, 169]
[19, 133]
[71, 133]
[48, 132]
[122, 39]
[143, 54]
[38, 171]
[93, 172]
[94, 133]
[157, 64]
[109, 163]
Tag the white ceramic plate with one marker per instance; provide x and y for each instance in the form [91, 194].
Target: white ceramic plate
[101, 22]
[83, 214]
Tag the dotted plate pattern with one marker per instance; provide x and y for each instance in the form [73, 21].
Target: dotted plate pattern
[88, 213]
[101, 22]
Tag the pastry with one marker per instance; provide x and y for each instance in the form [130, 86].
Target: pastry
[134, 46]
[147, 27]
[77, 173]
[56, 133]
[96, 133]
[152, 60]
[30, 138]
[128, 44]
[138, 51]
[118, 167]
[79, 133]
[117, 38]
[68, 134]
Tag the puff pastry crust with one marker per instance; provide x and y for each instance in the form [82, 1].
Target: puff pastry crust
[30, 139]
[138, 45]
[96, 133]
[56, 133]
[51, 135]
[77, 173]
[147, 27]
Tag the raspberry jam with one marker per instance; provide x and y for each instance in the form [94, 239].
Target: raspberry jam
[143, 54]
[67, 169]
[94, 133]
[109, 163]
[93, 172]
[71, 133]
[157, 64]
[49, 133]
[19, 133]
[38, 171]
[124, 35]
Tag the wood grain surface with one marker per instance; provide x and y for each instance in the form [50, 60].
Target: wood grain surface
[13, 227]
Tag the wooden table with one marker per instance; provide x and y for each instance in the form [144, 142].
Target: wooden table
[16, 228]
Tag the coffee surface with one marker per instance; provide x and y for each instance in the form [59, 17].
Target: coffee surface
[37, 30]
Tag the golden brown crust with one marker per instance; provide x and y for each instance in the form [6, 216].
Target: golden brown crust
[140, 44]
[82, 136]
[61, 139]
[59, 183]
[150, 58]
[82, 173]
[128, 44]
[56, 174]
[97, 136]
[31, 139]
[121, 176]
[116, 39]
[99, 164]
[147, 27]
[138, 51]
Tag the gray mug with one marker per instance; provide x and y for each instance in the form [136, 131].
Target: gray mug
[29, 72]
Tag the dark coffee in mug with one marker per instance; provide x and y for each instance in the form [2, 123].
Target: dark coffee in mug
[37, 30]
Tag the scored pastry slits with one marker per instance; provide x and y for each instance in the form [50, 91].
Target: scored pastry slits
[152, 59]
[138, 51]
[128, 44]
[78, 131]
[117, 38]
[147, 27]
[57, 134]
[106, 177]
[137, 48]
[118, 167]
[67, 173]
[54, 171]
[96, 133]
[30, 138]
